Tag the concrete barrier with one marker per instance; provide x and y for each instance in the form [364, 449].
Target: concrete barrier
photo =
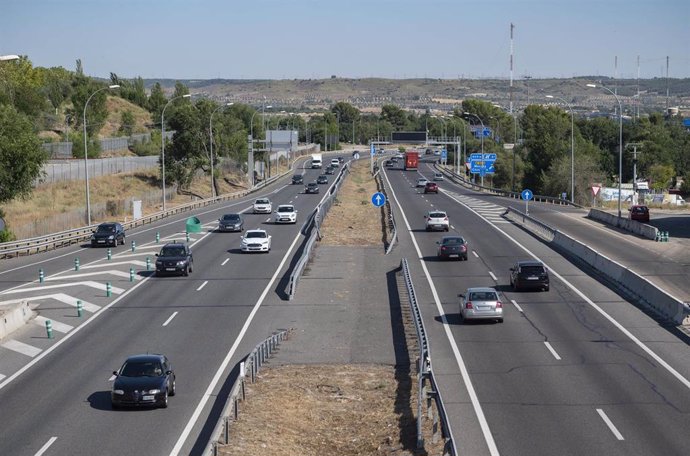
[650, 295]
[14, 316]
[633, 226]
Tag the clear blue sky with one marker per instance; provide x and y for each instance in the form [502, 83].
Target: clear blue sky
[276, 39]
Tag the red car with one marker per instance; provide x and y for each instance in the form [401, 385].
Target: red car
[639, 213]
[431, 187]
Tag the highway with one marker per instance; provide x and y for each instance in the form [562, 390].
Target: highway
[55, 393]
[576, 370]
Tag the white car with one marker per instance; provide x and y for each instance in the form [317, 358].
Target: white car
[263, 206]
[335, 163]
[422, 181]
[285, 213]
[256, 241]
[437, 220]
[438, 176]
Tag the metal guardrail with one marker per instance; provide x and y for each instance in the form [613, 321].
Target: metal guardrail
[314, 224]
[75, 235]
[540, 228]
[252, 365]
[425, 373]
[496, 191]
[387, 210]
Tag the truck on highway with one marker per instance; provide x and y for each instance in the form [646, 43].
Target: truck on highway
[411, 160]
[316, 161]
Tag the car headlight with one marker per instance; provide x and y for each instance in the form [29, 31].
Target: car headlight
[154, 391]
[111, 237]
[159, 262]
[118, 392]
[181, 263]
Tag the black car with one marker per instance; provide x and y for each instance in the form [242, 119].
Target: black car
[143, 380]
[529, 274]
[312, 187]
[330, 170]
[297, 179]
[341, 159]
[322, 179]
[452, 247]
[230, 222]
[174, 258]
[111, 233]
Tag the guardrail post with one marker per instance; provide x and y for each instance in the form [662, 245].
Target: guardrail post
[49, 329]
[76, 264]
[131, 274]
[110, 254]
[158, 237]
[108, 290]
[41, 276]
[148, 263]
[134, 246]
[227, 429]
[80, 308]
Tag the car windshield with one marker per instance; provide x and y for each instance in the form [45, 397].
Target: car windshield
[142, 369]
[437, 214]
[106, 228]
[639, 210]
[262, 201]
[231, 217]
[256, 234]
[483, 296]
[453, 241]
[532, 269]
[311, 184]
[172, 251]
[286, 209]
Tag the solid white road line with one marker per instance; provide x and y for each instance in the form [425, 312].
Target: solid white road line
[1, 377]
[493, 276]
[170, 318]
[225, 262]
[57, 326]
[486, 431]
[553, 352]
[21, 347]
[45, 447]
[517, 306]
[208, 394]
[475, 254]
[202, 286]
[608, 422]
[585, 298]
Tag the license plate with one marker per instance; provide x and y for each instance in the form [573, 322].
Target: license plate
[169, 269]
[147, 398]
[532, 278]
[454, 255]
[101, 242]
[484, 307]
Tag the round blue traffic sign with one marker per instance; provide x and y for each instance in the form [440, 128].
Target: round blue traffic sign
[527, 194]
[378, 199]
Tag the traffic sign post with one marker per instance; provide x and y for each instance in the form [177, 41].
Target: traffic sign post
[378, 199]
[527, 195]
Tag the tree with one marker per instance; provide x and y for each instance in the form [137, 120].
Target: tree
[127, 122]
[58, 86]
[661, 176]
[21, 155]
[156, 101]
[97, 112]
[180, 90]
[22, 86]
[394, 116]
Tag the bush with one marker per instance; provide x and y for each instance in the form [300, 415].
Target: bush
[147, 148]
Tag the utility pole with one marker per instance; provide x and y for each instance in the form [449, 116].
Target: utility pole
[634, 146]
[667, 85]
[527, 78]
[511, 68]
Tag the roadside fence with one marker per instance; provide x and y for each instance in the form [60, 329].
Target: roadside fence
[67, 170]
[250, 367]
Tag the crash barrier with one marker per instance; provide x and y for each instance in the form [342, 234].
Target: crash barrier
[388, 214]
[13, 315]
[313, 227]
[633, 226]
[427, 386]
[248, 368]
[644, 291]
[457, 178]
[68, 237]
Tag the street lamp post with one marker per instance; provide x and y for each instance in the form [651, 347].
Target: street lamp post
[620, 142]
[481, 139]
[86, 153]
[572, 146]
[5, 58]
[163, 140]
[210, 131]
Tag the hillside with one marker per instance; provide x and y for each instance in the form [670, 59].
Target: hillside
[116, 106]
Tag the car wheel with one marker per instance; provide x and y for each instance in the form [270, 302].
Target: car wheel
[546, 288]
[114, 406]
[447, 228]
[186, 271]
[123, 240]
[164, 402]
[500, 320]
[428, 229]
[173, 389]
[191, 267]
[464, 258]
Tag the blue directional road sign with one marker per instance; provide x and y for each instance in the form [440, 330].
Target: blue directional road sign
[444, 154]
[490, 157]
[378, 199]
[475, 156]
[373, 149]
[527, 194]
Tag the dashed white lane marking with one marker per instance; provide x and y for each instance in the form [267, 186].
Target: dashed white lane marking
[45, 447]
[452, 227]
[170, 318]
[553, 352]
[475, 254]
[56, 325]
[493, 276]
[268, 220]
[21, 347]
[517, 306]
[225, 262]
[202, 286]
[609, 423]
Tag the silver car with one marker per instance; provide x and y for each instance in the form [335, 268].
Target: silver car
[481, 303]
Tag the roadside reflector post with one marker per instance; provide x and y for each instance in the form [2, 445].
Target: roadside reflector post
[76, 264]
[49, 329]
[110, 254]
[158, 237]
[131, 274]
[108, 290]
[187, 236]
[148, 263]
[134, 246]
[41, 276]
[80, 308]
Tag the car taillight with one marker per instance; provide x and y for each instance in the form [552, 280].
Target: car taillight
[443, 248]
[445, 219]
[468, 305]
[463, 248]
[499, 305]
